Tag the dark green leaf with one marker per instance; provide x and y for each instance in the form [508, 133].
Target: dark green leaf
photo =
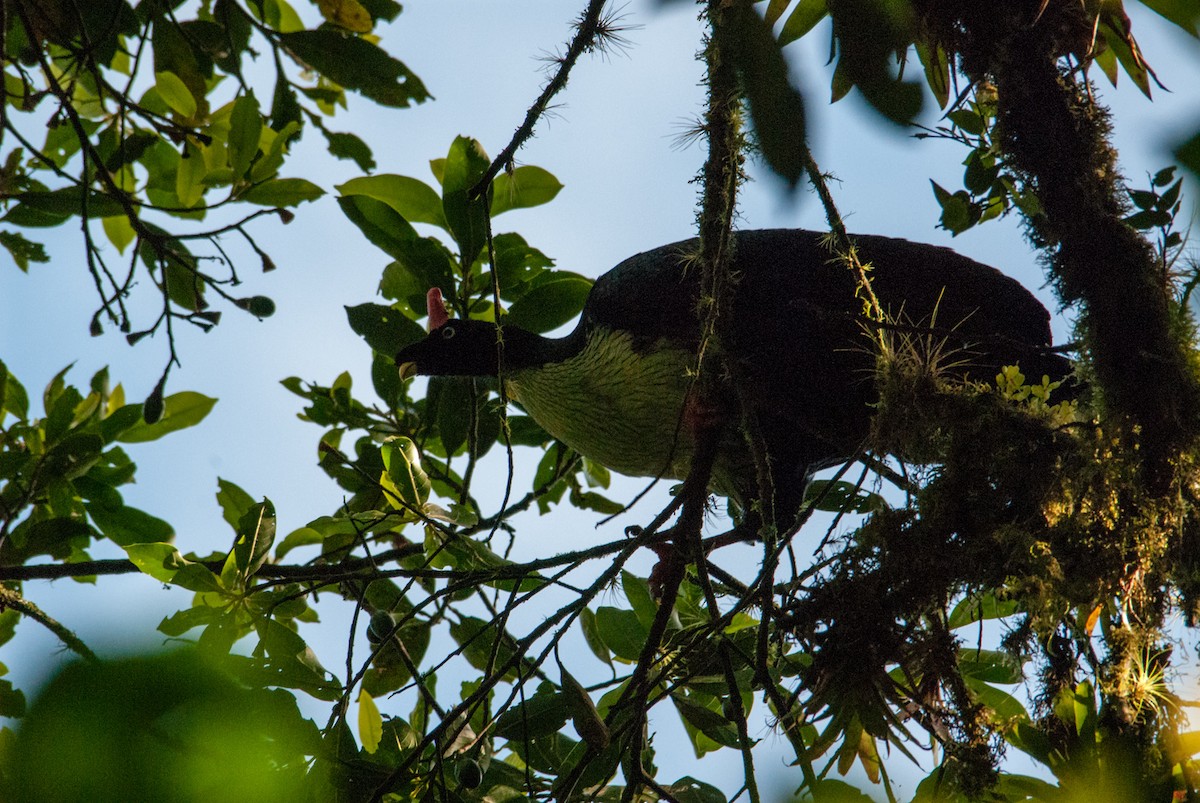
[1148, 219]
[550, 305]
[127, 525]
[349, 146]
[174, 56]
[452, 398]
[16, 400]
[712, 724]
[66, 202]
[465, 165]
[282, 192]
[689, 790]
[1143, 199]
[591, 634]
[517, 263]
[804, 18]
[182, 621]
[842, 497]
[245, 129]
[937, 71]
[21, 250]
[991, 666]
[1184, 13]
[383, 225]
[776, 107]
[1188, 154]
[385, 329]
[120, 421]
[256, 530]
[285, 109]
[1005, 706]
[637, 591]
[621, 631]
[357, 64]
[967, 120]
[540, 715]
[980, 607]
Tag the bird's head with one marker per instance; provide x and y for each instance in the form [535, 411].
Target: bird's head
[453, 347]
[456, 348]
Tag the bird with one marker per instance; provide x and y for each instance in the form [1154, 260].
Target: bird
[619, 388]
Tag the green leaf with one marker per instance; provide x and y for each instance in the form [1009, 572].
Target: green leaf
[403, 465]
[16, 400]
[127, 525]
[282, 192]
[245, 130]
[712, 724]
[357, 64]
[991, 666]
[370, 722]
[550, 305]
[234, 501]
[804, 18]
[937, 71]
[189, 177]
[591, 634]
[522, 188]
[305, 536]
[175, 94]
[415, 200]
[199, 578]
[637, 591]
[64, 203]
[1001, 702]
[842, 497]
[180, 411]
[385, 329]
[349, 146]
[540, 715]
[383, 225]
[980, 607]
[256, 529]
[776, 107]
[119, 231]
[158, 560]
[1188, 154]
[24, 251]
[465, 165]
[1184, 13]
[621, 631]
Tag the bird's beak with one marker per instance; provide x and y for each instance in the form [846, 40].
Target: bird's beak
[407, 370]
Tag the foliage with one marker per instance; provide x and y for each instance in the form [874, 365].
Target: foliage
[153, 128]
[1026, 539]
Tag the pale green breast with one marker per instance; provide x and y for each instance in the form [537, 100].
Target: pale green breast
[614, 405]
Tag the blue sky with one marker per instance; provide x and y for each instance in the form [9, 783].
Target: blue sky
[613, 144]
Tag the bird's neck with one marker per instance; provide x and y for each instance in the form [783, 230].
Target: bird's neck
[523, 350]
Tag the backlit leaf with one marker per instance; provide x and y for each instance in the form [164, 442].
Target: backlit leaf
[180, 410]
[175, 94]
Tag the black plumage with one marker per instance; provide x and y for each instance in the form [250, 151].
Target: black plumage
[616, 388]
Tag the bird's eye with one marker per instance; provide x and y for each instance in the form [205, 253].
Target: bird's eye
[447, 332]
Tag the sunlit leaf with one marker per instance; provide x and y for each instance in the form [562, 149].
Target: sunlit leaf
[370, 722]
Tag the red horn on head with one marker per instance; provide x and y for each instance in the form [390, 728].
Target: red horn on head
[436, 307]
